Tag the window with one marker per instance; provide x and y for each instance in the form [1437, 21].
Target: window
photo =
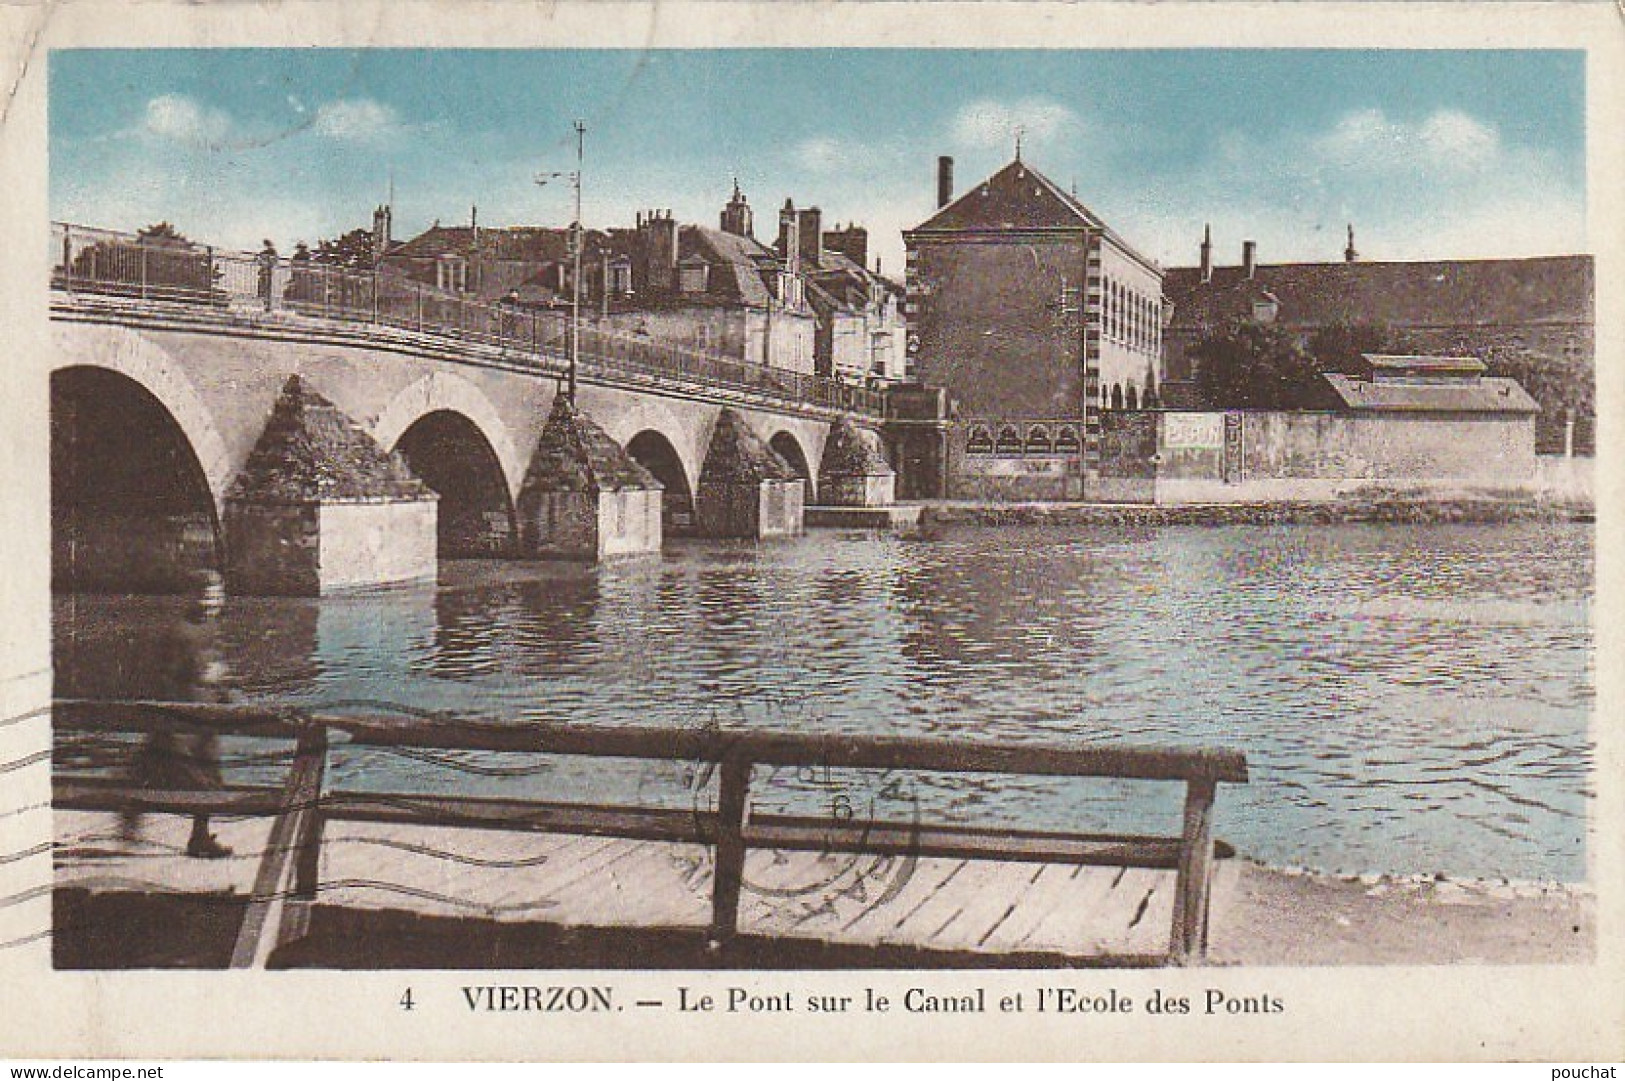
[451, 273]
[693, 277]
[1009, 443]
[979, 442]
[1066, 441]
[1038, 441]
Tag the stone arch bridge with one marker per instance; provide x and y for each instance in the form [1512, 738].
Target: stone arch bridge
[156, 408]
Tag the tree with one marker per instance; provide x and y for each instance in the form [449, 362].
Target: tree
[1256, 366]
[162, 230]
[1339, 346]
[352, 251]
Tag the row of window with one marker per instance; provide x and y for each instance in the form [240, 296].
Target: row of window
[1129, 317]
[1011, 442]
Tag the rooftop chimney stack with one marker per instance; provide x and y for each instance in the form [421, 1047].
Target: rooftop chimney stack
[657, 247]
[1249, 258]
[945, 181]
[1207, 253]
[790, 238]
[382, 227]
[810, 222]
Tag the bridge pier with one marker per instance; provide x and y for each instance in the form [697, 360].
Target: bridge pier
[584, 497]
[854, 471]
[745, 489]
[320, 506]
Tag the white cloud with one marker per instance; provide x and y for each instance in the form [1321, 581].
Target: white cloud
[179, 118]
[823, 154]
[1451, 136]
[355, 120]
[991, 124]
[1368, 139]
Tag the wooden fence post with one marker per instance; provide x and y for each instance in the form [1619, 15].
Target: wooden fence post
[732, 790]
[1189, 945]
[270, 920]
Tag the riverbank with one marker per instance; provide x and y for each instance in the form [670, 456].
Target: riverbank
[1365, 506]
[1271, 916]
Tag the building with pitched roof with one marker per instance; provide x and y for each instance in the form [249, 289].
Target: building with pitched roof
[807, 303]
[1035, 315]
[1530, 317]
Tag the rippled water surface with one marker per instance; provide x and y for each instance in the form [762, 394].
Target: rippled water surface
[1409, 698]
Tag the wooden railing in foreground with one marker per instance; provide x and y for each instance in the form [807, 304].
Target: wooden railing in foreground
[286, 884]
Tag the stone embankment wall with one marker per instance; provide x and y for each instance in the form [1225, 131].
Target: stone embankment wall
[1155, 457]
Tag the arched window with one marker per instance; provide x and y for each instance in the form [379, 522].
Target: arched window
[1009, 443]
[1133, 397]
[1038, 441]
[980, 441]
[1117, 395]
[1066, 441]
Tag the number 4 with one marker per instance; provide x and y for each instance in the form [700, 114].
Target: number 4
[406, 1000]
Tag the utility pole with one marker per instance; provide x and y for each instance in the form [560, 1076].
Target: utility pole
[580, 239]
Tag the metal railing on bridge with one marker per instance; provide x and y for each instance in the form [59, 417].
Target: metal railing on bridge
[170, 270]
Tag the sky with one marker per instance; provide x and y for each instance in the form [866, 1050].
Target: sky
[1429, 154]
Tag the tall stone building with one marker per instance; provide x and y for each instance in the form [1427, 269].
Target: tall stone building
[1034, 315]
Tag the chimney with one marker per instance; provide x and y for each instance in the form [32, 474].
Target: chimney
[852, 242]
[1249, 257]
[382, 225]
[945, 181]
[1349, 254]
[789, 238]
[810, 223]
[657, 251]
[1207, 253]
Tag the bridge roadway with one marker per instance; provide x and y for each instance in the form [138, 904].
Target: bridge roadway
[172, 396]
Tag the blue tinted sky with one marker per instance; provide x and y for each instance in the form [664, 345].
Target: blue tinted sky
[1429, 154]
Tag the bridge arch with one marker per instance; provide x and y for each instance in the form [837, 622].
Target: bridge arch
[686, 430]
[132, 507]
[788, 447]
[656, 453]
[449, 452]
[159, 374]
[451, 393]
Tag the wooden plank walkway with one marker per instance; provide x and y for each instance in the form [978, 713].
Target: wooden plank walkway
[585, 881]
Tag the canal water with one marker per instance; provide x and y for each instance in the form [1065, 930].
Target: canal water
[1410, 698]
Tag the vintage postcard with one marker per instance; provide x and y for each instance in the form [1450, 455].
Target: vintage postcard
[834, 531]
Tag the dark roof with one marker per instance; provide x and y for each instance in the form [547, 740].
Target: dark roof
[737, 455]
[311, 452]
[575, 455]
[519, 243]
[848, 454]
[1020, 197]
[1016, 197]
[741, 259]
[1550, 289]
[1489, 395]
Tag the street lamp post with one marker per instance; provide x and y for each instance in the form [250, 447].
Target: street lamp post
[579, 237]
[577, 242]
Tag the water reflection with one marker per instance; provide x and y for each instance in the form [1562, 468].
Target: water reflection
[1410, 698]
